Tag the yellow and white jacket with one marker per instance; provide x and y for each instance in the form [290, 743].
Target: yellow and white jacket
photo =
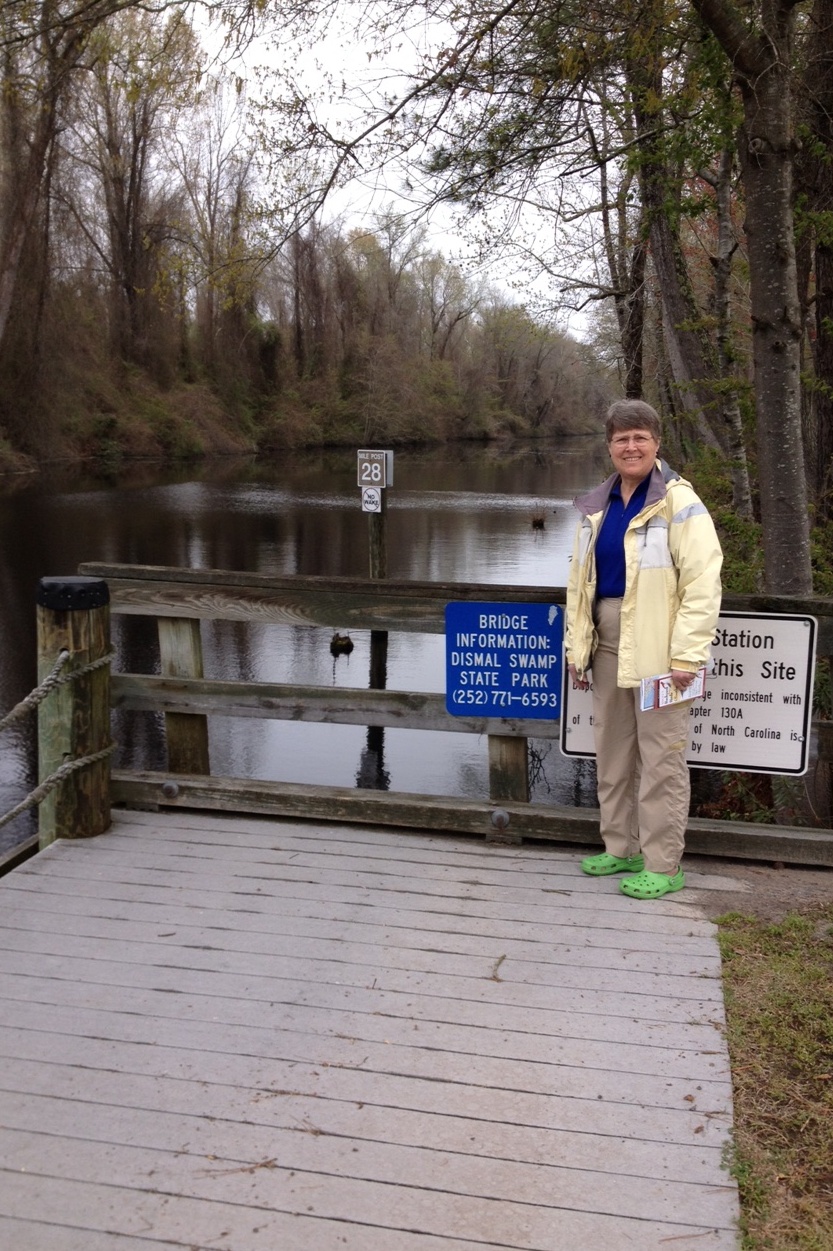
[672, 581]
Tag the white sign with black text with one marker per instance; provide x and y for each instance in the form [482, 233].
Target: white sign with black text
[375, 468]
[756, 713]
[371, 500]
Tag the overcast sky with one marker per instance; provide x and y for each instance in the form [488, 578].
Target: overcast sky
[338, 55]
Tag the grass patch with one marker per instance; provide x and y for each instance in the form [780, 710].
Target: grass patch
[778, 981]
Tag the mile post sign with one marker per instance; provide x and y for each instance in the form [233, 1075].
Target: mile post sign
[503, 660]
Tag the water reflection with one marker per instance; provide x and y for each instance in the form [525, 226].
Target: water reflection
[372, 774]
[460, 514]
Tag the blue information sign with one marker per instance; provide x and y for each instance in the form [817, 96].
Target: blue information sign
[503, 660]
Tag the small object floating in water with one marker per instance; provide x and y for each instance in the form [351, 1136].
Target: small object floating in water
[538, 523]
[341, 644]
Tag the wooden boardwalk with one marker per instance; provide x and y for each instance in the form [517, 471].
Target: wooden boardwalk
[251, 1035]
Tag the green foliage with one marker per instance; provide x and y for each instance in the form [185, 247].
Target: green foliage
[740, 537]
[177, 438]
[743, 559]
[821, 546]
[812, 220]
[823, 689]
[742, 797]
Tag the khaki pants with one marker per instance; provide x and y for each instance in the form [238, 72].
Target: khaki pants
[643, 778]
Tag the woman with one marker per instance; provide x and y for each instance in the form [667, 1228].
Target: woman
[643, 598]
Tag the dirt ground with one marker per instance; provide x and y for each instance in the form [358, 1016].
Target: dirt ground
[764, 890]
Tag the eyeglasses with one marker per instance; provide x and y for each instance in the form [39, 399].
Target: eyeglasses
[625, 440]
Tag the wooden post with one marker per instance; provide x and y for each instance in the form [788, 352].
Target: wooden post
[73, 615]
[379, 540]
[180, 647]
[372, 769]
[508, 771]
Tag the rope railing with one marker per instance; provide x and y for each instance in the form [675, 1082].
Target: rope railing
[48, 784]
[51, 682]
[54, 679]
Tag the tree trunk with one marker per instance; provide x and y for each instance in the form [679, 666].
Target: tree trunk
[24, 210]
[692, 371]
[760, 57]
[766, 152]
[816, 183]
[685, 340]
[729, 401]
[823, 396]
[59, 49]
[626, 263]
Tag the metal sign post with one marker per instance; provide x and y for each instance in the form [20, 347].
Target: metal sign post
[375, 474]
[758, 704]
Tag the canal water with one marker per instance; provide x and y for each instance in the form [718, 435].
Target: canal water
[455, 514]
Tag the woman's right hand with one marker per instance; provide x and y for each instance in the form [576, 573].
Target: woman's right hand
[582, 682]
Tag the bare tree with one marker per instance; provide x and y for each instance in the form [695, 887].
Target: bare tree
[43, 45]
[211, 154]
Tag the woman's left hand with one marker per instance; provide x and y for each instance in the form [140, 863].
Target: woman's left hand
[682, 679]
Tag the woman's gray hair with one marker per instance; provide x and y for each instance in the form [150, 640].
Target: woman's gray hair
[632, 415]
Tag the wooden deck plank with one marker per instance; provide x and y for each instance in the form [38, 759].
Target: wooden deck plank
[256, 926]
[240, 1018]
[434, 862]
[254, 976]
[527, 984]
[695, 1123]
[43, 1237]
[122, 1213]
[646, 996]
[440, 854]
[276, 1164]
[39, 1095]
[430, 849]
[270, 871]
[313, 902]
[660, 1077]
[568, 896]
[695, 958]
[653, 1002]
[97, 983]
[309, 1226]
[216, 1025]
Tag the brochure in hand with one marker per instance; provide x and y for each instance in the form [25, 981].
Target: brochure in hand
[659, 691]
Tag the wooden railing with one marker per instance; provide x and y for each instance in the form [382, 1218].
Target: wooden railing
[181, 598]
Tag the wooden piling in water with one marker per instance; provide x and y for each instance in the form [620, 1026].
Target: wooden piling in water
[377, 523]
[73, 615]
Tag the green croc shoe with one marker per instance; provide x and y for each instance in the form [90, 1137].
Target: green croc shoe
[603, 864]
[652, 885]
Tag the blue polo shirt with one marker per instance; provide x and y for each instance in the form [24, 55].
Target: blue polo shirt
[610, 544]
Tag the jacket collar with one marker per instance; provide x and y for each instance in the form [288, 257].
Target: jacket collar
[596, 501]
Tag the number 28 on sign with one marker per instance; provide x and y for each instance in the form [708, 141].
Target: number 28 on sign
[375, 468]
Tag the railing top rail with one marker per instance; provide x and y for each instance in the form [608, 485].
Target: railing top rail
[388, 587]
[439, 592]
